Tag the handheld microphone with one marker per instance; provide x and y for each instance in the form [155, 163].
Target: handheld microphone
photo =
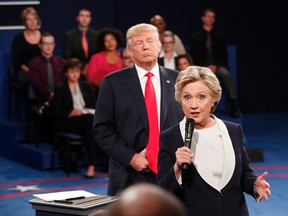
[189, 128]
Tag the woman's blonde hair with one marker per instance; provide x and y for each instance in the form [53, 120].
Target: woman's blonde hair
[30, 10]
[203, 74]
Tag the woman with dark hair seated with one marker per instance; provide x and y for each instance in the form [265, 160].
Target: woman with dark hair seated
[73, 108]
[107, 60]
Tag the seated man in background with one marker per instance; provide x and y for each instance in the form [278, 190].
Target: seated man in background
[46, 71]
[127, 58]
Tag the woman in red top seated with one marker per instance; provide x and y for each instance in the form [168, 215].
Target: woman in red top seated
[107, 60]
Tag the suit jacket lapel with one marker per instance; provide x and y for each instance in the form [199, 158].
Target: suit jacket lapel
[78, 41]
[166, 89]
[136, 93]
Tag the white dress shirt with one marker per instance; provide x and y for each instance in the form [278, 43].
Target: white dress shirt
[156, 82]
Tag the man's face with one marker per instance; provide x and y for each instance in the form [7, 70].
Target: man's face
[127, 58]
[84, 18]
[209, 18]
[160, 24]
[145, 48]
[47, 45]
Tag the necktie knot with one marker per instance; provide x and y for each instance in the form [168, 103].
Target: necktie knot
[149, 74]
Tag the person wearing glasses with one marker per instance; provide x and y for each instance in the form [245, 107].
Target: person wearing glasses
[167, 57]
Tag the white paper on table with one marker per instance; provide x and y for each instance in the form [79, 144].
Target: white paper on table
[63, 195]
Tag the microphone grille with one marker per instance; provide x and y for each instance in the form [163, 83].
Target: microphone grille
[190, 121]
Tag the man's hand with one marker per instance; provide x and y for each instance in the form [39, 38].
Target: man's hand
[139, 162]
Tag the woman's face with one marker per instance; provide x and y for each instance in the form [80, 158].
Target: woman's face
[183, 63]
[110, 42]
[168, 44]
[73, 74]
[31, 22]
[196, 103]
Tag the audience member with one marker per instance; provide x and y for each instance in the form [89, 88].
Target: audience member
[146, 200]
[25, 46]
[73, 108]
[218, 171]
[183, 61]
[123, 122]
[80, 42]
[209, 48]
[167, 55]
[107, 60]
[127, 58]
[46, 70]
[160, 23]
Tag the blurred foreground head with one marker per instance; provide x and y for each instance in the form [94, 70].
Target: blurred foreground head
[146, 200]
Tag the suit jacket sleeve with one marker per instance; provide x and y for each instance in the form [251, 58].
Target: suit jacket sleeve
[248, 176]
[170, 140]
[62, 103]
[88, 95]
[106, 132]
[67, 49]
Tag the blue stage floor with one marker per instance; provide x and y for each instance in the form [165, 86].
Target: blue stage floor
[268, 132]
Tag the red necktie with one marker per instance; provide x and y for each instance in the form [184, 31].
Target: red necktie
[152, 147]
[85, 44]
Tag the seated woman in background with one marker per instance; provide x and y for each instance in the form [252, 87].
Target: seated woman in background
[107, 60]
[167, 55]
[183, 61]
[25, 46]
[73, 108]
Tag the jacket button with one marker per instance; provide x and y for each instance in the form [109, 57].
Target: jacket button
[219, 196]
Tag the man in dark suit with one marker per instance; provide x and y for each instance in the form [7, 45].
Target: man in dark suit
[209, 48]
[121, 124]
[73, 44]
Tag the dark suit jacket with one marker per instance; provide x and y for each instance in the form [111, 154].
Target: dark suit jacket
[199, 197]
[62, 103]
[73, 45]
[161, 61]
[121, 124]
[218, 48]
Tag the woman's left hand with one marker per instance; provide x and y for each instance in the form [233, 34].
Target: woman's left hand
[262, 187]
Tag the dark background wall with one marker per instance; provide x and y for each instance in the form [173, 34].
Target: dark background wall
[255, 27]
